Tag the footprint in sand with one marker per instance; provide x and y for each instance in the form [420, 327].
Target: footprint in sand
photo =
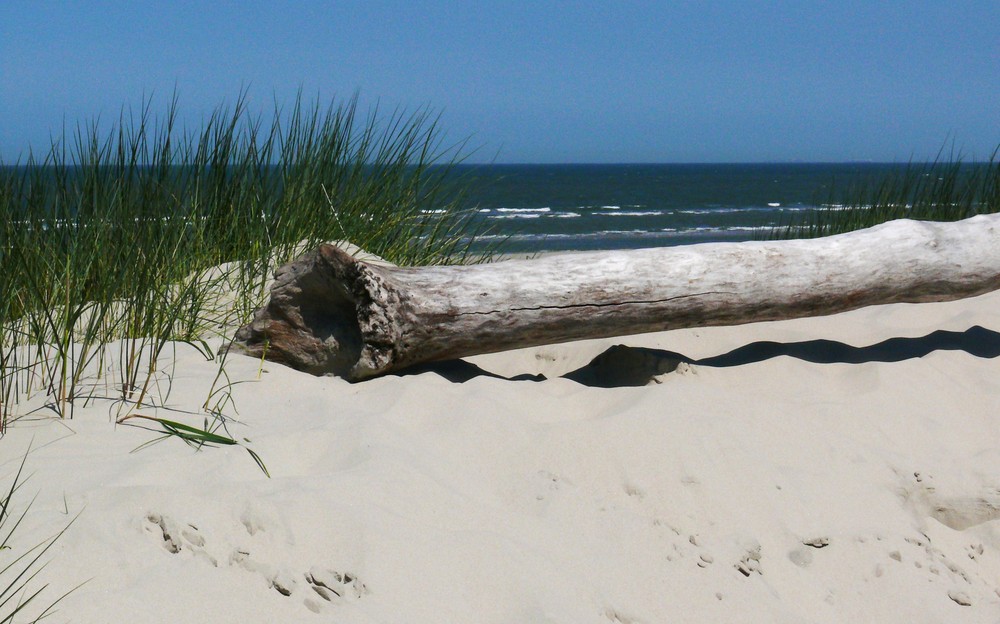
[280, 580]
[332, 586]
[958, 510]
[974, 551]
[694, 548]
[178, 536]
[326, 583]
[749, 563]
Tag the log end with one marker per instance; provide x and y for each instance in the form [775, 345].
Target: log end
[328, 314]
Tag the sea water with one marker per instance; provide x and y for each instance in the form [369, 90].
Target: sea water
[535, 208]
[580, 207]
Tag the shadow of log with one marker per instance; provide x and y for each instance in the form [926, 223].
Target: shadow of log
[976, 340]
[624, 366]
[460, 371]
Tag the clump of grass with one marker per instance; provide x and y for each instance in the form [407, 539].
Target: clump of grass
[940, 190]
[107, 237]
[18, 590]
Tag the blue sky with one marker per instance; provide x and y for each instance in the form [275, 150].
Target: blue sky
[727, 81]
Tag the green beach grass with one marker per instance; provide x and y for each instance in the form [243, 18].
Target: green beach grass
[108, 238]
[945, 189]
[19, 567]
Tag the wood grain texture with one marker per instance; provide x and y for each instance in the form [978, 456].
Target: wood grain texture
[331, 314]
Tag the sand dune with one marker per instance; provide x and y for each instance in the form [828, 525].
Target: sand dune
[774, 472]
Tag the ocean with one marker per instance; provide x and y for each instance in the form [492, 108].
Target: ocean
[536, 208]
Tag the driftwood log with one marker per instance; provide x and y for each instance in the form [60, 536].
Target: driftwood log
[332, 314]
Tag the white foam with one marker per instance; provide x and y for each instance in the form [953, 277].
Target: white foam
[837, 207]
[519, 210]
[625, 232]
[731, 210]
[631, 213]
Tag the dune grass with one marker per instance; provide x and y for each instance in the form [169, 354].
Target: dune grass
[18, 572]
[940, 190]
[108, 237]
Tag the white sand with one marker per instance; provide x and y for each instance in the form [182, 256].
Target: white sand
[777, 491]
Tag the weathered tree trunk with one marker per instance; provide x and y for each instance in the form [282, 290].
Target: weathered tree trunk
[332, 314]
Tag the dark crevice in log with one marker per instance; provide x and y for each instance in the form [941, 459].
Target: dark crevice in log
[311, 322]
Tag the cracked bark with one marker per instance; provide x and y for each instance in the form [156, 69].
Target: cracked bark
[597, 305]
[332, 314]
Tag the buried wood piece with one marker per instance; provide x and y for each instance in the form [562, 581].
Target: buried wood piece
[330, 313]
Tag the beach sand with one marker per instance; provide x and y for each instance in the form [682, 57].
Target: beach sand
[779, 490]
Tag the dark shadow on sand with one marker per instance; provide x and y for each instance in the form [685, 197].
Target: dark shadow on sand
[622, 366]
[460, 371]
